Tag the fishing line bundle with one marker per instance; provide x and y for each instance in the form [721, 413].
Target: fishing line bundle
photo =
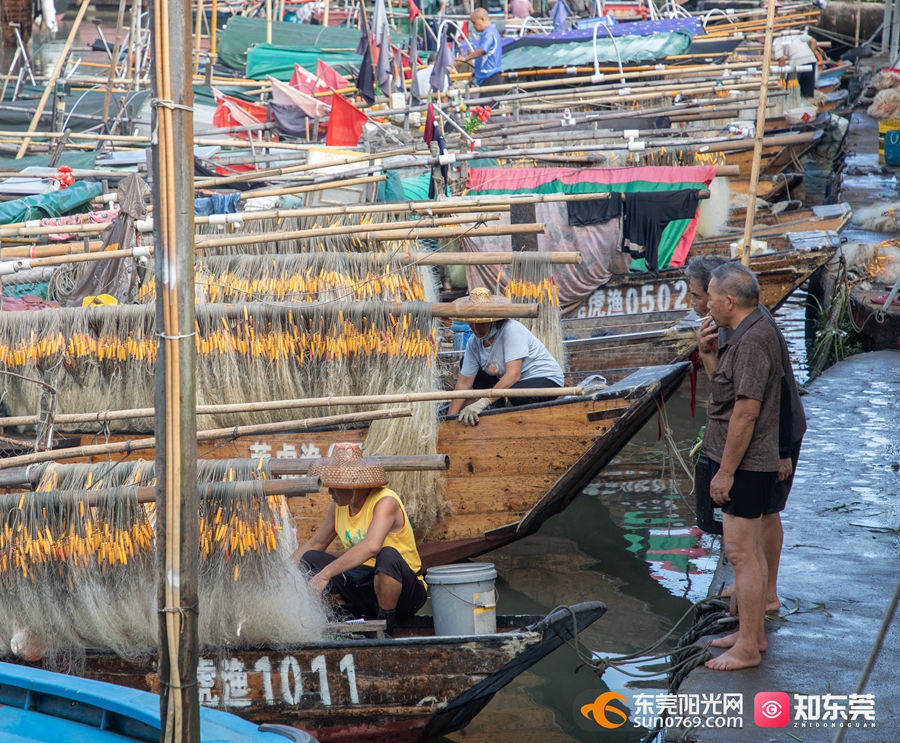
[306, 277]
[529, 280]
[103, 358]
[79, 565]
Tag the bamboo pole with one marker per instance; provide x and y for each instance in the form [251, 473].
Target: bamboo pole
[108, 416]
[128, 447]
[760, 135]
[268, 21]
[271, 172]
[198, 29]
[213, 31]
[120, 20]
[51, 83]
[348, 182]
[369, 232]
[147, 493]
[26, 477]
[175, 393]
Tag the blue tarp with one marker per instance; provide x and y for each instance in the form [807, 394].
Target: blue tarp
[55, 204]
[625, 49]
[691, 26]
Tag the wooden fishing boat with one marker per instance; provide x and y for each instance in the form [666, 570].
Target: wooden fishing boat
[834, 100]
[507, 475]
[770, 188]
[790, 149]
[777, 227]
[798, 256]
[409, 688]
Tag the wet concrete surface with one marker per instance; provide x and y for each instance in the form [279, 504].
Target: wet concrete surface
[840, 564]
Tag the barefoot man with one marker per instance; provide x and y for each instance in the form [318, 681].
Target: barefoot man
[791, 423]
[741, 443]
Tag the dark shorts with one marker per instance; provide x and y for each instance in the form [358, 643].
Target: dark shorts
[357, 586]
[485, 381]
[778, 495]
[749, 492]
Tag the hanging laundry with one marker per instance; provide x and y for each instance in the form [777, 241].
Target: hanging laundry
[594, 211]
[646, 216]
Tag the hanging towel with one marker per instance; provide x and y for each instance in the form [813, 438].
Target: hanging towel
[646, 216]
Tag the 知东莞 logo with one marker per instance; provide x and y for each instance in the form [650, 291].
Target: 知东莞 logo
[772, 709]
[604, 713]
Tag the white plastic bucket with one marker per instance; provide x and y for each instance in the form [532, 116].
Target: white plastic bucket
[463, 599]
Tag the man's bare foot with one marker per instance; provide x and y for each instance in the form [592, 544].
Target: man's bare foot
[733, 660]
[729, 641]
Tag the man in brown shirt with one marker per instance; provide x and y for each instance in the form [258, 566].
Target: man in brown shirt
[741, 443]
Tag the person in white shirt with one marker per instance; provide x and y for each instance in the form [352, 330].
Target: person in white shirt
[795, 50]
[501, 354]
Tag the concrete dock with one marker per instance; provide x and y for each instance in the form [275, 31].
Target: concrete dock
[839, 570]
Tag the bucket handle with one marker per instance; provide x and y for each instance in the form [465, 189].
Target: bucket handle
[470, 603]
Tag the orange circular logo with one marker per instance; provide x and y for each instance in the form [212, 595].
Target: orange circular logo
[601, 709]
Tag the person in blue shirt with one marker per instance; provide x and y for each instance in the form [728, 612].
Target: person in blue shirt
[488, 52]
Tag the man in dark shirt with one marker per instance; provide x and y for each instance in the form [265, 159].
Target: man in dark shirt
[741, 443]
[792, 419]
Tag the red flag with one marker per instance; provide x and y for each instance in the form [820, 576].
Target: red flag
[345, 124]
[331, 77]
[413, 10]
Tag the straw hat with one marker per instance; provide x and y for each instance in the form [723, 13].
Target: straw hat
[347, 468]
[480, 297]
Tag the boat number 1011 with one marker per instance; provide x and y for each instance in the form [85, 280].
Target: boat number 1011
[281, 682]
[653, 297]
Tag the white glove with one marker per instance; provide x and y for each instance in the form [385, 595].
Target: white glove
[469, 414]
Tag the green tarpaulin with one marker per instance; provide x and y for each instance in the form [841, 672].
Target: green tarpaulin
[279, 61]
[74, 160]
[55, 204]
[312, 42]
[628, 49]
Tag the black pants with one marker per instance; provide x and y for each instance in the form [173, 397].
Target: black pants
[495, 79]
[485, 381]
[357, 586]
[807, 81]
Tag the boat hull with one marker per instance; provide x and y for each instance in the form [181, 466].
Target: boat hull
[392, 690]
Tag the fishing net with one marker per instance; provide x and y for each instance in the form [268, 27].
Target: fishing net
[79, 567]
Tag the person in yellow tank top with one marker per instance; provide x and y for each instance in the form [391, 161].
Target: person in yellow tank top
[378, 574]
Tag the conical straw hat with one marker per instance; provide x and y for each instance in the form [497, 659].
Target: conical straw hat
[347, 468]
[480, 297]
